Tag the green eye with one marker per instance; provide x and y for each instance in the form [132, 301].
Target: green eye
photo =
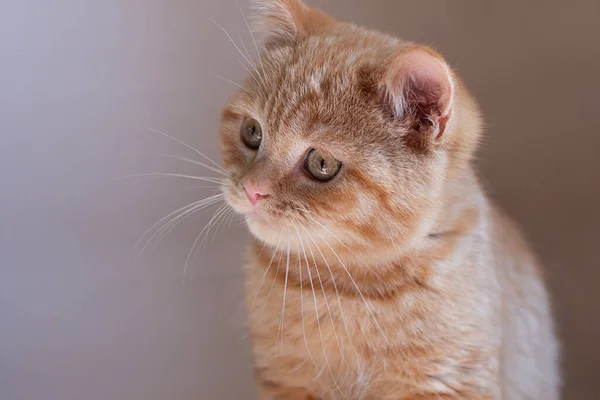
[321, 168]
[251, 133]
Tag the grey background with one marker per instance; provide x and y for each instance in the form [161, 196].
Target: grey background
[79, 319]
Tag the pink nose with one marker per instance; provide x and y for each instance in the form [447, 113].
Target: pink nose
[256, 192]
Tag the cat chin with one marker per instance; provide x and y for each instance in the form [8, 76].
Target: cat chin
[261, 228]
[272, 232]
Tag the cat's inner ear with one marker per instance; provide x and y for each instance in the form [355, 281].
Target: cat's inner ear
[286, 21]
[419, 89]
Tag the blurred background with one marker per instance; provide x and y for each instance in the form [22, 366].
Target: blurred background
[81, 319]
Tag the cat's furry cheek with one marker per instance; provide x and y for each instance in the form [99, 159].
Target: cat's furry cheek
[235, 197]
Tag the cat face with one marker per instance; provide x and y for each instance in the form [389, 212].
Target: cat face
[339, 135]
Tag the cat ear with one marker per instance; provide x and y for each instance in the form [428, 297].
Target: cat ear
[286, 21]
[419, 87]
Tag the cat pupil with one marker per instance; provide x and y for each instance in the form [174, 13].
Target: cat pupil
[322, 163]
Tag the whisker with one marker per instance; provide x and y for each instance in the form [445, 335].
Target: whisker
[214, 223]
[253, 39]
[287, 270]
[181, 142]
[251, 73]
[230, 218]
[170, 225]
[187, 206]
[261, 250]
[198, 163]
[195, 205]
[324, 227]
[262, 280]
[199, 178]
[234, 83]
[235, 45]
[215, 186]
[297, 367]
[305, 210]
[271, 290]
[302, 305]
[357, 288]
[187, 260]
[244, 46]
[218, 221]
[326, 302]
[335, 289]
[326, 358]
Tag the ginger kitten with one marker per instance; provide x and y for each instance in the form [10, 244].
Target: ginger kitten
[379, 269]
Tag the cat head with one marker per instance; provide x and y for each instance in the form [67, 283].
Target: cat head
[341, 134]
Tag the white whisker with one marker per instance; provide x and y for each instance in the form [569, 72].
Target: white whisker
[326, 302]
[253, 39]
[248, 70]
[261, 249]
[287, 271]
[297, 367]
[217, 213]
[217, 221]
[302, 306]
[324, 227]
[339, 300]
[271, 290]
[357, 288]
[169, 226]
[244, 65]
[234, 83]
[326, 358]
[198, 163]
[305, 210]
[262, 280]
[214, 223]
[244, 46]
[199, 178]
[186, 145]
[230, 218]
[215, 186]
[235, 45]
[193, 206]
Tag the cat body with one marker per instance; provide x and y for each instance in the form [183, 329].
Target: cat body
[379, 268]
[476, 328]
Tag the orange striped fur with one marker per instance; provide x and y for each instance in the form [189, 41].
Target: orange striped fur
[396, 279]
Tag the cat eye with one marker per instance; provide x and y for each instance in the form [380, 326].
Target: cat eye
[321, 168]
[251, 133]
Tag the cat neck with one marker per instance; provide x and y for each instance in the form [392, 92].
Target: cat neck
[377, 270]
